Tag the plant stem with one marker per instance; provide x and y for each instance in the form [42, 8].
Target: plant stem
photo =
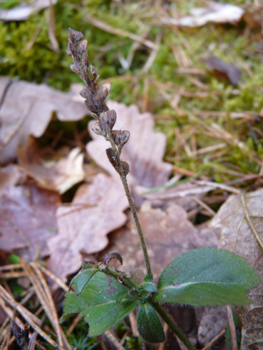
[177, 331]
[132, 207]
[136, 220]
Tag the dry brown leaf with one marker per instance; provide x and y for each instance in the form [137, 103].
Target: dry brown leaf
[144, 151]
[58, 175]
[10, 175]
[223, 69]
[96, 210]
[238, 218]
[23, 11]
[214, 12]
[254, 15]
[27, 109]
[27, 219]
[167, 233]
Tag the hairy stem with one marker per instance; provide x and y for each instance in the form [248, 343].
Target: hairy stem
[177, 331]
[137, 222]
[135, 216]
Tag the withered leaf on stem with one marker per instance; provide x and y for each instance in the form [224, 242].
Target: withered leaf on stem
[83, 225]
[144, 151]
[237, 236]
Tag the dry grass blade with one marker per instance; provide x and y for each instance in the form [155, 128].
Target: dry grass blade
[114, 340]
[104, 26]
[74, 323]
[28, 316]
[152, 56]
[43, 292]
[205, 206]
[51, 27]
[249, 221]
[217, 185]
[11, 267]
[133, 323]
[48, 306]
[209, 345]
[232, 328]
[32, 342]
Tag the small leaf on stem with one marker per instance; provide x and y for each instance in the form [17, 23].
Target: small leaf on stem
[149, 324]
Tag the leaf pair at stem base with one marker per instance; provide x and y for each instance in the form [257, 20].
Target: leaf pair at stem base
[205, 276]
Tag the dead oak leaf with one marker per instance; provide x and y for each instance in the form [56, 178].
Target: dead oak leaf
[23, 11]
[144, 151]
[27, 109]
[58, 175]
[167, 234]
[241, 219]
[10, 175]
[96, 210]
[214, 12]
[27, 219]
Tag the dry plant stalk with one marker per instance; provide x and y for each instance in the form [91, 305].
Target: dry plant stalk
[95, 96]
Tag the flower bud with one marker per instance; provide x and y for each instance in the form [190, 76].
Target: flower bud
[75, 35]
[120, 137]
[94, 74]
[86, 92]
[125, 167]
[109, 117]
[68, 51]
[112, 158]
[104, 90]
[85, 58]
[72, 48]
[96, 127]
[82, 47]
[74, 68]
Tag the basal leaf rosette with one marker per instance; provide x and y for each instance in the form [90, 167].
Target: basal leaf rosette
[207, 276]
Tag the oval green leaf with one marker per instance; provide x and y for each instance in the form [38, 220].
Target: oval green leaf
[103, 301]
[207, 276]
[149, 324]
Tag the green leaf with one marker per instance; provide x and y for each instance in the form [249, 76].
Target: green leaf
[207, 276]
[149, 324]
[148, 284]
[103, 301]
[83, 277]
[139, 294]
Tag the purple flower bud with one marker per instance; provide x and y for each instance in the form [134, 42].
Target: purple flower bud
[74, 68]
[109, 117]
[126, 168]
[96, 127]
[104, 90]
[120, 137]
[75, 35]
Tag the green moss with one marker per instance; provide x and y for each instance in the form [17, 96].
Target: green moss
[39, 63]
